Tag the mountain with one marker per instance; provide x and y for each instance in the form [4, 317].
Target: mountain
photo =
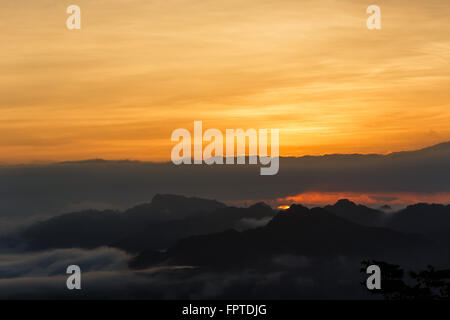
[155, 225]
[174, 207]
[440, 149]
[347, 209]
[298, 231]
[119, 184]
[422, 218]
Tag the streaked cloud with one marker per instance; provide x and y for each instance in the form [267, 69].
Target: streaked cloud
[139, 69]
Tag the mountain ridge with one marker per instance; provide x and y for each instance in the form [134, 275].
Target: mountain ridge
[432, 148]
[297, 231]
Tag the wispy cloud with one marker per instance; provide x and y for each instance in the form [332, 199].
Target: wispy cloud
[117, 88]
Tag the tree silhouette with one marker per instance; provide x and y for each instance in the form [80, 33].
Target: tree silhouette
[429, 284]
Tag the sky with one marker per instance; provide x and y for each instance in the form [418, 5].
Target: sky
[139, 69]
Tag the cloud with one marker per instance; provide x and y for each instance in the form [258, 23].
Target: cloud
[251, 223]
[292, 278]
[55, 262]
[41, 275]
[310, 68]
[50, 189]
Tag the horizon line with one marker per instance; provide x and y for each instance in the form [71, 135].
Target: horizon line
[93, 160]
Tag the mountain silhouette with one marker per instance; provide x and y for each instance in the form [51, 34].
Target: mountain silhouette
[347, 209]
[174, 207]
[296, 231]
[422, 218]
[154, 225]
[193, 231]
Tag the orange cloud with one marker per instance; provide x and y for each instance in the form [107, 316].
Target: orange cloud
[377, 198]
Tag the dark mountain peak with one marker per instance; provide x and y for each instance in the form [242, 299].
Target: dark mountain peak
[298, 217]
[297, 208]
[345, 206]
[358, 213]
[423, 206]
[422, 218]
[164, 206]
[441, 149]
[261, 207]
[438, 147]
[290, 216]
[345, 203]
[168, 201]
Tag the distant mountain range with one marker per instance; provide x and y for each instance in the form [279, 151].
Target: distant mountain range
[298, 231]
[357, 213]
[30, 190]
[154, 225]
[191, 247]
[192, 231]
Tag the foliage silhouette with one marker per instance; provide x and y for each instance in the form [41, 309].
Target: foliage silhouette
[429, 284]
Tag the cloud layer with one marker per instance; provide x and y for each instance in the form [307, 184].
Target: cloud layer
[42, 276]
[56, 188]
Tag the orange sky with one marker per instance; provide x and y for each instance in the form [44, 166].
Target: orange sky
[372, 199]
[138, 69]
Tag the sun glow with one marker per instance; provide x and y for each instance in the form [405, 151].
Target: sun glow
[374, 198]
